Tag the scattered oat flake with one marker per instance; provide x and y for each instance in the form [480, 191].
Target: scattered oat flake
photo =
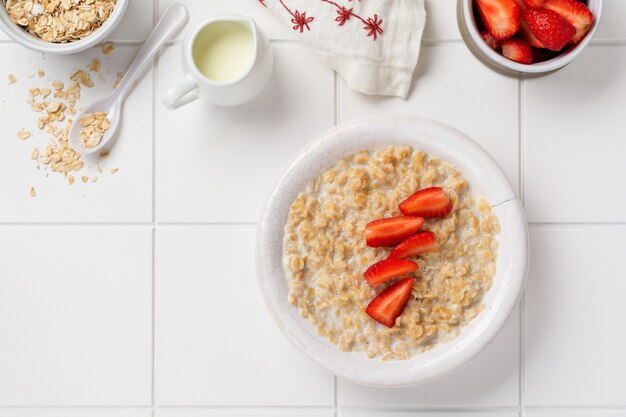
[107, 48]
[114, 170]
[56, 106]
[94, 65]
[33, 193]
[40, 73]
[12, 79]
[82, 77]
[23, 134]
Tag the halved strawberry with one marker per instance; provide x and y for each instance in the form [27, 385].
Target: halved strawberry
[391, 231]
[388, 305]
[517, 50]
[549, 28]
[534, 3]
[574, 12]
[429, 202]
[522, 7]
[490, 40]
[501, 17]
[386, 269]
[415, 245]
[525, 33]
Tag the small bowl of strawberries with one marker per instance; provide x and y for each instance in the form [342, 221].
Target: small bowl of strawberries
[528, 36]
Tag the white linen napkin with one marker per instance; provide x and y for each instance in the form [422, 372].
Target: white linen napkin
[373, 44]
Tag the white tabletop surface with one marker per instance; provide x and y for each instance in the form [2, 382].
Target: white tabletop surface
[136, 295]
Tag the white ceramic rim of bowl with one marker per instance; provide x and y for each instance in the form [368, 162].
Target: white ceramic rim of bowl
[437, 139]
[24, 38]
[501, 61]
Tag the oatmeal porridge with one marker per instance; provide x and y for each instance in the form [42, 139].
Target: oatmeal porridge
[325, 253]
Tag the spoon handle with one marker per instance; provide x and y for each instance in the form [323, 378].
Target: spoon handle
[172, 19]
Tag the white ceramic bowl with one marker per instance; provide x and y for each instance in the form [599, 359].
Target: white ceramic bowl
[471, 36]
[485, 177]
[24, 38]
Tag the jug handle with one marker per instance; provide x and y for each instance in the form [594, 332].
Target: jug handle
[182, 93]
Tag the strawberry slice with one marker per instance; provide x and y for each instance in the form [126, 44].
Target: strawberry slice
[429, 202]
[517, 50]
[550, 28]
[501, 17]
[534, 3]
[525, 33]
[391, 231]
[388, 305]
[522, 7]
[386, 269]
[415, 245]
[490, 40]
[574, 12]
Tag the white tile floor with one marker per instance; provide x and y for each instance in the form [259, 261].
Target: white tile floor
[115, 297]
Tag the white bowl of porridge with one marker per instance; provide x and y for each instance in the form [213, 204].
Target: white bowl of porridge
[60, 27]
[367, 280]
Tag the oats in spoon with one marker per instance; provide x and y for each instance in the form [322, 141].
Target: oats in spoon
[94, 126]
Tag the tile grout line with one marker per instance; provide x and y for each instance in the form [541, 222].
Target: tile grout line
[521, 123]
[370, 408]
[139, 225]
[155, 80]
[521, 131]
[153, 324]
[145, 225]
[399, 408]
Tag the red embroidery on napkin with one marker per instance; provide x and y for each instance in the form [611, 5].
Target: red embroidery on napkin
[344, 15]
[373, 26]
[301, 21]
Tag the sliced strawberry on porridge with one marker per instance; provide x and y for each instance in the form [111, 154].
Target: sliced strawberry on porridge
[391, 231]
[386, 269]
[388, 305]
[429, 202]
[420, 243]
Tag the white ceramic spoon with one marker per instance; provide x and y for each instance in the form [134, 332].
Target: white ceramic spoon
[172, 19]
